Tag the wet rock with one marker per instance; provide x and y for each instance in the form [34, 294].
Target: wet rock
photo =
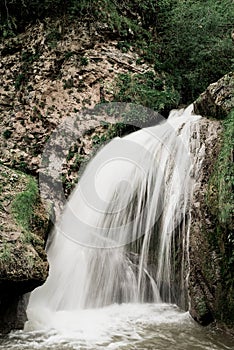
[23, 261]
[204, 274]
[218, 99]
[209, 266]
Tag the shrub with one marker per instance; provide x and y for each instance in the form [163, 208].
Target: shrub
[147, 90]
[23, 205]
[7, 134]
[196, 45]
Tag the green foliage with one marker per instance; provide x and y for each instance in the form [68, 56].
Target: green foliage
[196, 43]
[68, 54]
[124, 17]
[189, 42]
[20, 79]
[7, 134]
[27, 58]
[147, 90]
[52, 37]
[202, 307]
[121, 16]
[79, 159]
[222, 181]
[5, 252]
[16, 14]
[112, 130]
[221, 205]
[84, 61]
[23, 205]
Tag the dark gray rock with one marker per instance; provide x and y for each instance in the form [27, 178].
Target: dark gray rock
[218, 99]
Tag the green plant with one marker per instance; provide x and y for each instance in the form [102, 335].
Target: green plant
[22, 166]
[24, 203]
[196, 46]
[110, 131]
[147, 90]
[7, 133]
[52, 37]
[5, 252]
[124, 46]
[68, 54]
[99, 139]
[79, 159]
[84, 61]
[189, 40]
[20, 79]
[28, 56]
[72, 151]
[220, 201]
[222, 181]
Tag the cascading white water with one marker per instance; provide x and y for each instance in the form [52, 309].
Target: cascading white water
[118, 233]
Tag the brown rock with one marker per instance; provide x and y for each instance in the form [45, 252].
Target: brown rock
[23, 262]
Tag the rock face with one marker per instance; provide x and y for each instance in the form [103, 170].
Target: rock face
[51, 73]
[218, 99]
[204, 274]
[211, 237]
[23, 264]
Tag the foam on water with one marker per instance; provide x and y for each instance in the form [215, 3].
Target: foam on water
[126, 326]
[135, 189]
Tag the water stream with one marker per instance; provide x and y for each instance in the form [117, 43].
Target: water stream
[115, 272]
[125, 327]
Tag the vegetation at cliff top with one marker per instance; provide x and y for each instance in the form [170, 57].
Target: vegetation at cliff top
[188, 41]
[148, 90]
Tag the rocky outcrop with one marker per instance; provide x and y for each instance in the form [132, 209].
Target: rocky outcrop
[218, 99]
[51, 72]
[211, 236]
[204, 274]
[23, 263]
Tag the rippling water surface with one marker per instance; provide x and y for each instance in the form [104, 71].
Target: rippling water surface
[126, 327]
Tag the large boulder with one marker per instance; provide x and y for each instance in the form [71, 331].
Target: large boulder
[204, 271]
[211, 275]
[218, 99]
[23, 263]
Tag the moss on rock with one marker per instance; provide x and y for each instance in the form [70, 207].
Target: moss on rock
[23, 225]
[220, 201]
[211, 280]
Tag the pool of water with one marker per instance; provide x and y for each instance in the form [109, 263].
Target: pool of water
[125, 326]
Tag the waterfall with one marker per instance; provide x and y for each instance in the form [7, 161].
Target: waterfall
[123, 235]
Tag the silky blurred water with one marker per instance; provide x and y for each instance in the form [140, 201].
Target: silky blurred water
[68, 312]
[125, 327]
